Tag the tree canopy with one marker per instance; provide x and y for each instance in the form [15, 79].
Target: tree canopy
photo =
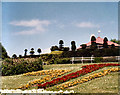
[115, 41]
[93, 38]
[73, 46]
[39, 51]
[3, 53]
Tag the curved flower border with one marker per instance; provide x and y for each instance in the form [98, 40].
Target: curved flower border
[85, 69]
[88, 78]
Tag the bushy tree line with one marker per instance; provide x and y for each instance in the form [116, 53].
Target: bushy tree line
[25, 54]
[62, 48]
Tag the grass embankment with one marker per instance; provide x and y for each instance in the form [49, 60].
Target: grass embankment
[106, 84]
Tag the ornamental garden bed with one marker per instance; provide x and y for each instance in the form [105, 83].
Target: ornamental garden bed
[8, 81]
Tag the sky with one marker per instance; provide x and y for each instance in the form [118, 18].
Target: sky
[27, 25]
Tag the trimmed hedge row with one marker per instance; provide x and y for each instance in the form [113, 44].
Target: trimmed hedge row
[12, 68]
[89, 52]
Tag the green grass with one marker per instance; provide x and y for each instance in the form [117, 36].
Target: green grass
[98, 85]
[106, 84]
[56, 52]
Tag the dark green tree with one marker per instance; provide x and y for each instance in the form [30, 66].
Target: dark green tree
[61, 44]
[14, 56]
[20, 56]
[66, 48]
[25, 52]
[113, 46]
[32, 51]
[83, 46]
[115, 41]
[3, 53]
[73, 46]
[105, 44]
[93, 38]
[39, 51]
[53, 48]
[93, 43]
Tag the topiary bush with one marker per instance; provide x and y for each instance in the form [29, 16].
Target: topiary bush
[20, 66]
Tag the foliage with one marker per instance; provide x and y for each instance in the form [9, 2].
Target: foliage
[54, 48]
[66, 49]
[61, 44]
[98, 59]
[93, 38]
[32, 51]
[73, 46]
[19, 66]
[105, 44]
[25, 52]
[49, 58]
[3, 53]
[62, 60]
[93, 45]
[105, 39]
[113, 46]
[115, 41]
[84, 46]
[39, 51]
[14, 56]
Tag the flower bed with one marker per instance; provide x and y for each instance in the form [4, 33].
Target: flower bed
[85, 69]
[52, 74]
[88, 78]
[46, 72]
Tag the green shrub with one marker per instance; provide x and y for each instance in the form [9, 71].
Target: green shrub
[109, 59]
[62, 61]
[98, 59]
[21, 66]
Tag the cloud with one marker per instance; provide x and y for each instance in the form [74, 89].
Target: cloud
[36, 25]
[87, 25]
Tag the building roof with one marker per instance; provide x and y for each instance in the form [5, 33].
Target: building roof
[100, 41]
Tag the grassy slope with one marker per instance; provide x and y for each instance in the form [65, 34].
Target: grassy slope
[98, 85]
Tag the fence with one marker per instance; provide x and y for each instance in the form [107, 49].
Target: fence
[82, 59]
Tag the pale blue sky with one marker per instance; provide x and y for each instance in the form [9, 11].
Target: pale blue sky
[42, 24]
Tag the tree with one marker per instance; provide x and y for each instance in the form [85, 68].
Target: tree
[14, 56]
[93, 38]
[3, 53]
[32, 51]
[53, 48]
[83, 46]
[61, 44]
[73, 46]
[115, 41]
[20, 56]
[39, 51]
[66, 48]
[93, 43]
[112, 46]
[25, 52]
[105, 44]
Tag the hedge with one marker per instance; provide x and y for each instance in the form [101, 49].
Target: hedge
[10, 67]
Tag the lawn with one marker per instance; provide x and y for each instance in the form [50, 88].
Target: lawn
[106, 84]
